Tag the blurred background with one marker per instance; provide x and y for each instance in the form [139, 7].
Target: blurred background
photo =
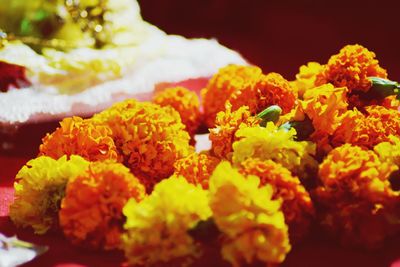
[281, 35]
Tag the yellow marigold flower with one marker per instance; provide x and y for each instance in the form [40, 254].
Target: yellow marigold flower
[252, 224]
[356, 196]
[185, 102]
[223, 84]
[389, 151]
[296, 202]
[296, 114]
[196, 168]
[351, 68]
[268, 90]
[277, 145]
[151, 138]
[39, 189]
[91, 212]
[306, 77]
[80, 137]
[367, 130]
[157, 228]
[226, 125]
[324, 105]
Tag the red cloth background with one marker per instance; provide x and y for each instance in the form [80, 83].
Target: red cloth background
[279, 36]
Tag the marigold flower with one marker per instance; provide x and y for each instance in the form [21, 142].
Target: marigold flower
[39, 189]
[223, 84]
[389, 151]
[185, 102]
[324, 106]
[355, 197]
[196, 168]
[151, 138]
[227, 123]
[367, 130]
[296, 202]
[351, 67]
[306, 77]
[267, 90]
[277, 145]
[80, 137]
[91, 212]
[157, 228]
[252, 224]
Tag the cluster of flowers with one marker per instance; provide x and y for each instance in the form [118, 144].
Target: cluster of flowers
[324, 148]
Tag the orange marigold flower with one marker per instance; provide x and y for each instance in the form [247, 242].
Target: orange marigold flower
[275, 90]
[185, 102]
[306, 77]
[77, 136]
[367, 130]
[222, 85]
[226, 125]
[268, 90]
[91, 212]
[196, 168]
[151, 138]
[351, 68]
[356, 197]
[296, 202]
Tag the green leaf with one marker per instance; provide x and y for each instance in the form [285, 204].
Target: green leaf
[303, 128]
[272, 113]
[382, 88]
[26, 27]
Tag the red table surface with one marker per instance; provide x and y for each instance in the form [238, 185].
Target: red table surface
[316, 251]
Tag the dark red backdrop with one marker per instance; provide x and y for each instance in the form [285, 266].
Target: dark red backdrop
[281, 35]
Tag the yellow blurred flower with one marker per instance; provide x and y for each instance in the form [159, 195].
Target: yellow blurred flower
[296, 202]
[184, 101]
[389, 151]
[196, 168]
[230, 79]
[39, 189]
[252, 224]
[157, 228]
[356, 196]
[306, 77]
[324, 105]
[150, 138]
[226, 125]
[91, 212]
[80, 137]
[277, 145]
[351, 67]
